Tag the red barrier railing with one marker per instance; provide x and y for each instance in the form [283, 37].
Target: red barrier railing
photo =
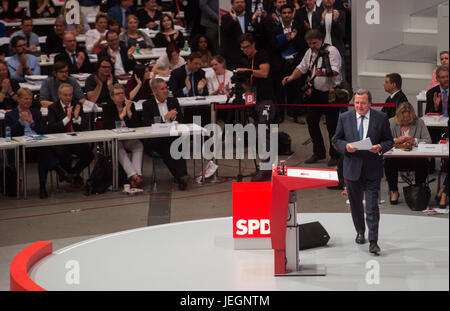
[22, 263]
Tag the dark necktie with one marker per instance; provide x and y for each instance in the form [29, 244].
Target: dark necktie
[74, 59]
[361, 128]
[191, 77]
[69, 125]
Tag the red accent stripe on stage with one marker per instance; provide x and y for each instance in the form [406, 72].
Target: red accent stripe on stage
[220, 106]
[22, 263]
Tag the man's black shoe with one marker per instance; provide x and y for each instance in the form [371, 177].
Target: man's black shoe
[314, 158]
[333, 161]
[360, 239]
[374, 248]
[183, 182]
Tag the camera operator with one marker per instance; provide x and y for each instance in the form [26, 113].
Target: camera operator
[322, 65]
[258, 67]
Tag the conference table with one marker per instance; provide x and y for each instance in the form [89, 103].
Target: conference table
[420, 151]
[4, 146]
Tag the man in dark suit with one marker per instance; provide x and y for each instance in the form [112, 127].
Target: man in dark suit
[161, 108]
[310, 15]
[78, 61]
[363, 169]
[237, 22]
[65, 117]
[290, 46]
[393, 86]
[437, 97]
[26, 121]
[120, 12]
[121, 58]
[189, 79]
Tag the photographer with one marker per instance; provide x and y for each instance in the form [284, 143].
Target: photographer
[322, 65]
[258, 67]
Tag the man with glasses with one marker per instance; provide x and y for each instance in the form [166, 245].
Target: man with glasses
[21, 63]
[54, 41]
[26, 32]
[49, 89]
[78, 61]
[122, 58]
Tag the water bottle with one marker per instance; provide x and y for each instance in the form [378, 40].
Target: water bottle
[138, 49]
[8, 133]
[186, 46]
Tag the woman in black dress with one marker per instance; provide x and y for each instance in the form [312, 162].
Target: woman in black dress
[168, 33]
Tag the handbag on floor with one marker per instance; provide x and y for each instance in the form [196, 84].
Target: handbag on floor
[417, 196]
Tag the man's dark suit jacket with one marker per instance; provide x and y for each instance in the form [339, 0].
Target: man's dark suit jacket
[398, 98]
[363, 161]
[150, 110]
[430, 102]
[17, 129]
[128, 63]
[230, 32]
[56, 115]
[301, 16]
[116, 12]
[85, 68]
[337, 32]
[177, 82]
[298, 42]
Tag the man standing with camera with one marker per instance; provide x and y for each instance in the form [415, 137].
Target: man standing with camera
[257, 66]
[322, 65]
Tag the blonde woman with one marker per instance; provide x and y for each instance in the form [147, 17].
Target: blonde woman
[133, 36]
[407, 129]
[96, 38]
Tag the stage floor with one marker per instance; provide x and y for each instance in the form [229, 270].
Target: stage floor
[200, 255]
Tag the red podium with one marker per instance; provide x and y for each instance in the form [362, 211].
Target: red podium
[283, 216]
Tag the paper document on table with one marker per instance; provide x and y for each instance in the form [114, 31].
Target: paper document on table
[364, 144]
[433, 148]
[38, 137]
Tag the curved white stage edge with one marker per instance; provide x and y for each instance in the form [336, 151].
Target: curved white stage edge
[199, 255]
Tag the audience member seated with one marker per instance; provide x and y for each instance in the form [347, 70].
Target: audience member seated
[97, 84]
[25, 121]
[437, 97]
[119, 110]
[149, 16]
[54, 41]
[11, 10]
[189, 79]
[42, 9]
[60, 75]
[133, 36]
[66, 116]
[96, 38]
[113, 25]
[138, 87]
[219, 83]
[201, 45]
[121, 57]
[168, 33]
[8, 88]
[21, 63]
[169, 61]
[442, 194]
[26, 32]
[78, 61]
[407, 130]
[444, 62]
[161, 108]
[81, 26]
[393, 86]
[120, 12]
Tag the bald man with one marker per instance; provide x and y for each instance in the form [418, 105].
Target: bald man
[78, 61]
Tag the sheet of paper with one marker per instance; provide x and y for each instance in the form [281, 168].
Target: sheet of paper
[88, 106]
[138, 104]
[364, 144]
[162, 127]
[434, 148]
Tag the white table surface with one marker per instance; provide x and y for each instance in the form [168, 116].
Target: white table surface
[414, 153]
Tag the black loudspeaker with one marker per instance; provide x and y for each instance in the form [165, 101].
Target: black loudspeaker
[312, 235]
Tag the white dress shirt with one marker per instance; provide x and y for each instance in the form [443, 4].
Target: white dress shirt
[328, 24]
[365, 124]
[66, 119]
[163, 110]
[118, 65]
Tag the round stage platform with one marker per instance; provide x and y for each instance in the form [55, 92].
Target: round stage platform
[200, 255]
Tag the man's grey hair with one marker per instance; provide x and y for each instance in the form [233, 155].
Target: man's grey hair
[440, 69]
[115, 86]
[64, 85]
[361, 92]
[155, 82]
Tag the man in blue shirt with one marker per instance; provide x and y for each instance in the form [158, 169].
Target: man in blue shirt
[120, 12]
[26, 32]
[21, 63]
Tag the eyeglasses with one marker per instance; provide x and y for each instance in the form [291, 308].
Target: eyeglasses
[63, 71]
[244, 47]
[120, 93]
[105, 67]
[21, 45]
